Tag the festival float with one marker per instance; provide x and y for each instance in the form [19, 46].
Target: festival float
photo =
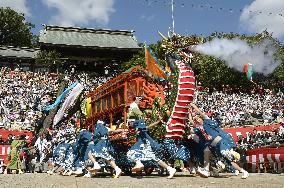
[110, 102]
[114, 97]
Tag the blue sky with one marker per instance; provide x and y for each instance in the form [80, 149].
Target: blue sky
[147, 17]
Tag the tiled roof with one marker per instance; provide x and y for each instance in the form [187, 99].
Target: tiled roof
[93, 38]
[8, 51]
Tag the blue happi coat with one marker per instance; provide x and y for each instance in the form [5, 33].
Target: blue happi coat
[80, 147]
[197, 149]
[145, 148]
[70, 157]
[142, 136]
[101, 146]
[212, 128]
[177, 149]
[59, 153]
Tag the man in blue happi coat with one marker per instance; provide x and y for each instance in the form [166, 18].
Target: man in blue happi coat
[83, 139]
[102, 148]
[220, 141]
[146, 148]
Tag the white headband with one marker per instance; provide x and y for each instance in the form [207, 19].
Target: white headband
[100, 122]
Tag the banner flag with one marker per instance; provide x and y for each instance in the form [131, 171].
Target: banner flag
[152, 64]
[74, 93]
[60, 97]
[248, 69]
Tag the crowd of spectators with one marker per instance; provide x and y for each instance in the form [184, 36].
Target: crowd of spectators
[257, 139]
[92, 82]
[24, 95]
[23, 98]
[240, 109]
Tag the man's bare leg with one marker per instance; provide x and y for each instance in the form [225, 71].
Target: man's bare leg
[171, 170]
[237, 167]
[116, 168]
[96, 166]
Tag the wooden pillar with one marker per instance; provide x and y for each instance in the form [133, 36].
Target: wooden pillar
[110, 119]
[125, 105]
[112, 109]
[101, 105]
[32, 65]
[12, 65]
[137, 87]
[118, 97]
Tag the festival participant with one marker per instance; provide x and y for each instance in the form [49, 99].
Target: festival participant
[59, 155]
[41, 144]
[102, 148]
[134, 112]
[146, 149]
[150, 148]
[69, 159]
[173, 144]
[83, 139]
[176, 149]
[200, 148]
[199, 145]
[13, 157]
[200, 152]
[220, 141]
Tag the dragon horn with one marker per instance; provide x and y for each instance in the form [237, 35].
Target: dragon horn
[163, 36]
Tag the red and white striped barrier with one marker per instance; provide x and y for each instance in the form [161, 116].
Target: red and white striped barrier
[4, 151]
[271, 156]
[244, 131]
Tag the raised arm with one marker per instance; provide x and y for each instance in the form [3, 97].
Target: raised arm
[111, 132]
[190, 119]
[152, 125]
[198, 110]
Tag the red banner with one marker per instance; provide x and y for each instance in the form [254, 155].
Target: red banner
[5, 149]
[16, 133]
[234, 132]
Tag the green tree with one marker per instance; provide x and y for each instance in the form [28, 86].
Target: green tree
[213, 72]
[14, 29]
[49, 59]
[138, 59]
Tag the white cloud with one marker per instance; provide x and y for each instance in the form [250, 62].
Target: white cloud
[17, 5]
[72, 12]
[264, 14]
[147, 18]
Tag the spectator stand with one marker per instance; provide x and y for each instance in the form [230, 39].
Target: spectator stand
[262, 157]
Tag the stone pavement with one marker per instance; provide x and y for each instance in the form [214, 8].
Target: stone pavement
[181, 180]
